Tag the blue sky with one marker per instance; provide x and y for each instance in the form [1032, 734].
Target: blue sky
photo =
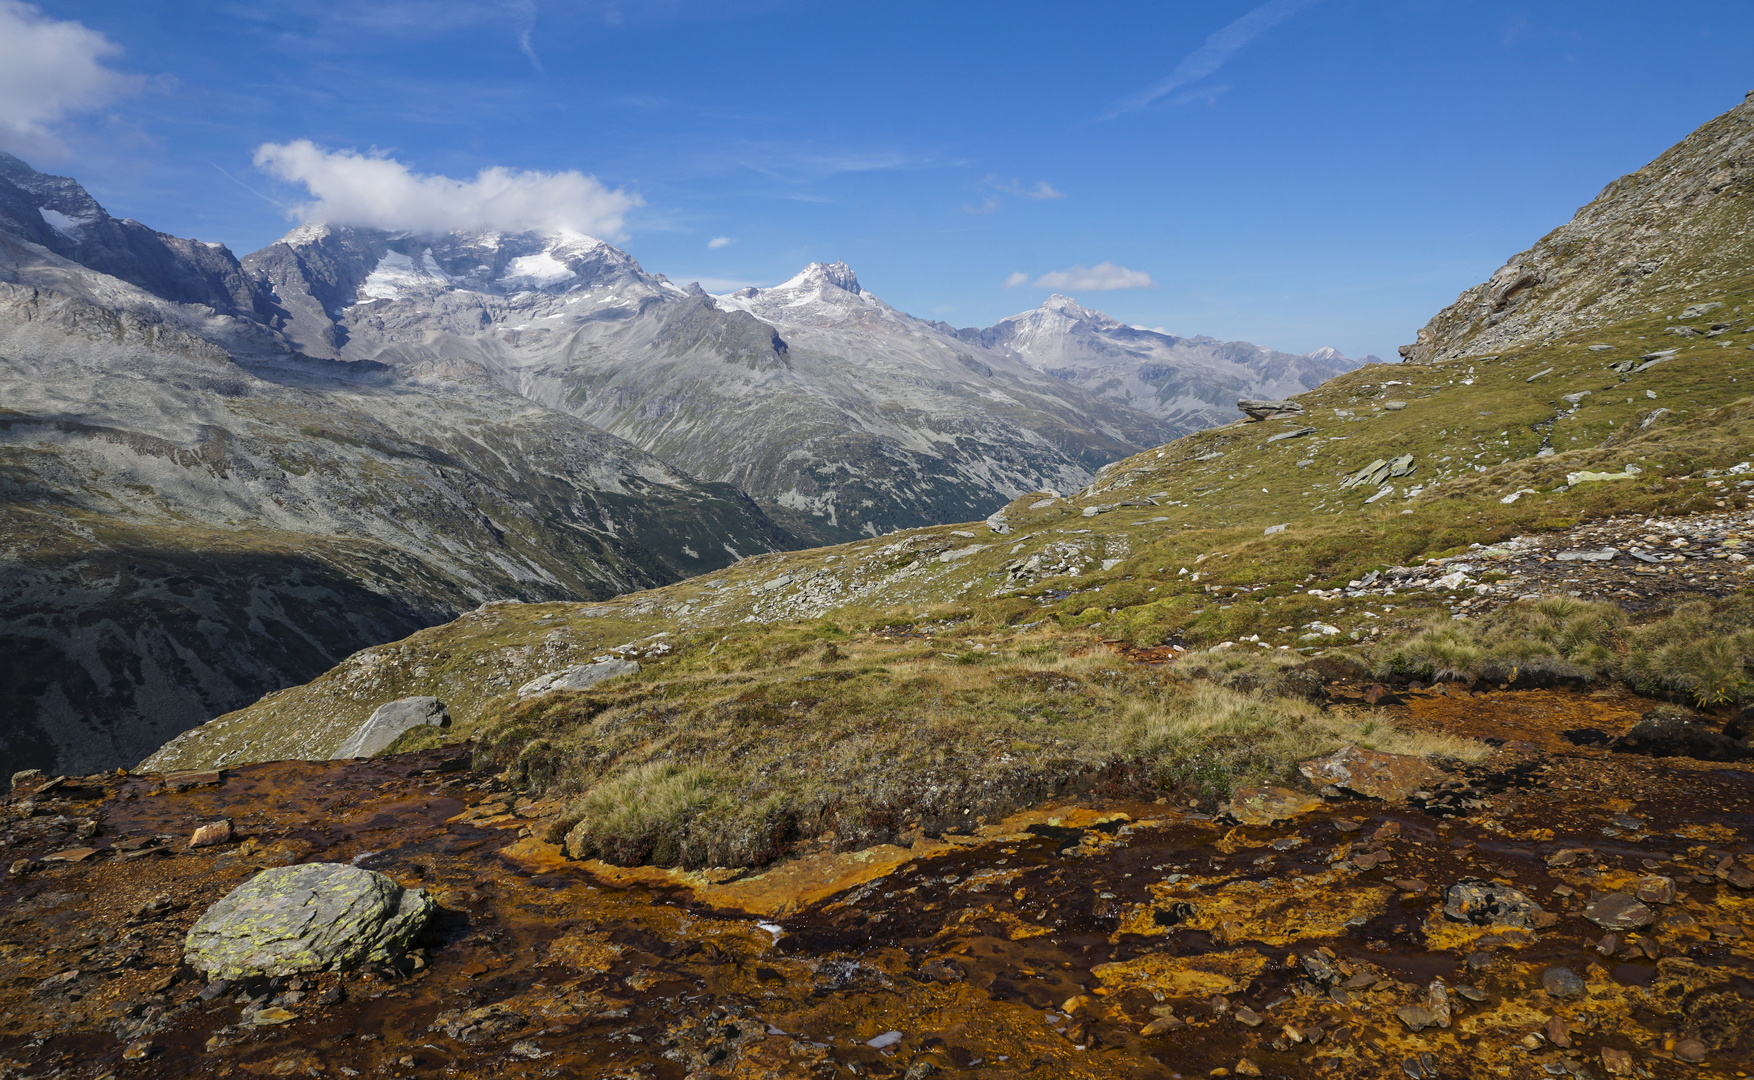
[1298, 173]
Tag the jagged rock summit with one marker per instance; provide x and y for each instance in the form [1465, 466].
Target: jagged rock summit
[1189, 382]
[1660, 239]
[56, 213]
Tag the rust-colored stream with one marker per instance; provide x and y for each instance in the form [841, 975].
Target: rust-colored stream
[1047, 946]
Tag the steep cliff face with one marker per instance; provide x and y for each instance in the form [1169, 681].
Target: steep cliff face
[58, 214]
[1670, 235]
[192, 513]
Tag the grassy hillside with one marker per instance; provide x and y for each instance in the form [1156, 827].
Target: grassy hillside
[929, 678]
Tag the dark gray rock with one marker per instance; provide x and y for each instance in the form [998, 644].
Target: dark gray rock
[1619, 911]
[1258, 409]
[313, 917]
[1486, 904]
[1668, 732]
[1562, 982]
[387, 723]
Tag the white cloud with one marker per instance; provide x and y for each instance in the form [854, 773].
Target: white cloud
[1019, 278]
[720, 241]
[1210, 56]
[1044, 190]
[350, 188]
[1102, 277]
[48, 69]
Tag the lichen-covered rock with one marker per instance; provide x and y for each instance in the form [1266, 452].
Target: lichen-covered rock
[388, 721]
[1370, 772]
[1263, 806]
[313, 917]
[579, 676]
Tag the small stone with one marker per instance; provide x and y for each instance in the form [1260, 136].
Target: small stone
[1609, 944]
[273, 1015]
[212, 833]
[1618, 911]
[1412, 885]
[1557, 1032]
[1264, 806]
[1472, 993]
[138, 1050]
[1246, 1015]
[1245, 1067]
[1346, 825]
[1416, 1017]
[1163, 1025]
[1562, 982]
[1690, 1050]
[1616, 1062]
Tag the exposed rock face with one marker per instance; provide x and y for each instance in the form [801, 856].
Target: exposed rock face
[1669, 733]
[1186, 381]
[388, 721]
[1652, 240]
[194, 514]
[58, 214]
[579, 676]
[312, 917]
[841, 416]
[1258, 409]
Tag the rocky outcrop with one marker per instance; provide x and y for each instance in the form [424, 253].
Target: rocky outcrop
[1654, 240]
[1256, 409]
[388, 721]
[579, 676]
[314, 917]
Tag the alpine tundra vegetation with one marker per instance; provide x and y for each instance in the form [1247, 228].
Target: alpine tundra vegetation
[437, 651]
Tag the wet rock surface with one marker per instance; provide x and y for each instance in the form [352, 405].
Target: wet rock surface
[1132, 940]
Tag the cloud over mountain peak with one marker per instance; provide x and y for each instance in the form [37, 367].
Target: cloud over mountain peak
[379, 192]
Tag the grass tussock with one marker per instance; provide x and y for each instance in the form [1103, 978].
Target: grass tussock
[1702, 651]
[707, 762]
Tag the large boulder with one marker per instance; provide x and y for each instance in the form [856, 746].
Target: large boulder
[387, 723]
[579, 676]
[312, 917]
[1257, 409]
[1266, 805]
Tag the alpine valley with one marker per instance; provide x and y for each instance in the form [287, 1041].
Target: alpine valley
[220, 477]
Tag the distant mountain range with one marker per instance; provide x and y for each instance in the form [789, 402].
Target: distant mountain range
[1190, 383]
[219, 476]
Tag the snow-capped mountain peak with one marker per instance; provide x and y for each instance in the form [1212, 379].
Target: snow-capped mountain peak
[836, 274]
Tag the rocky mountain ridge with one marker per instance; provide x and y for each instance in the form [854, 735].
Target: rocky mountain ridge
[1189, 382]
[1676, 229]
[838, 414]
[196, 512]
